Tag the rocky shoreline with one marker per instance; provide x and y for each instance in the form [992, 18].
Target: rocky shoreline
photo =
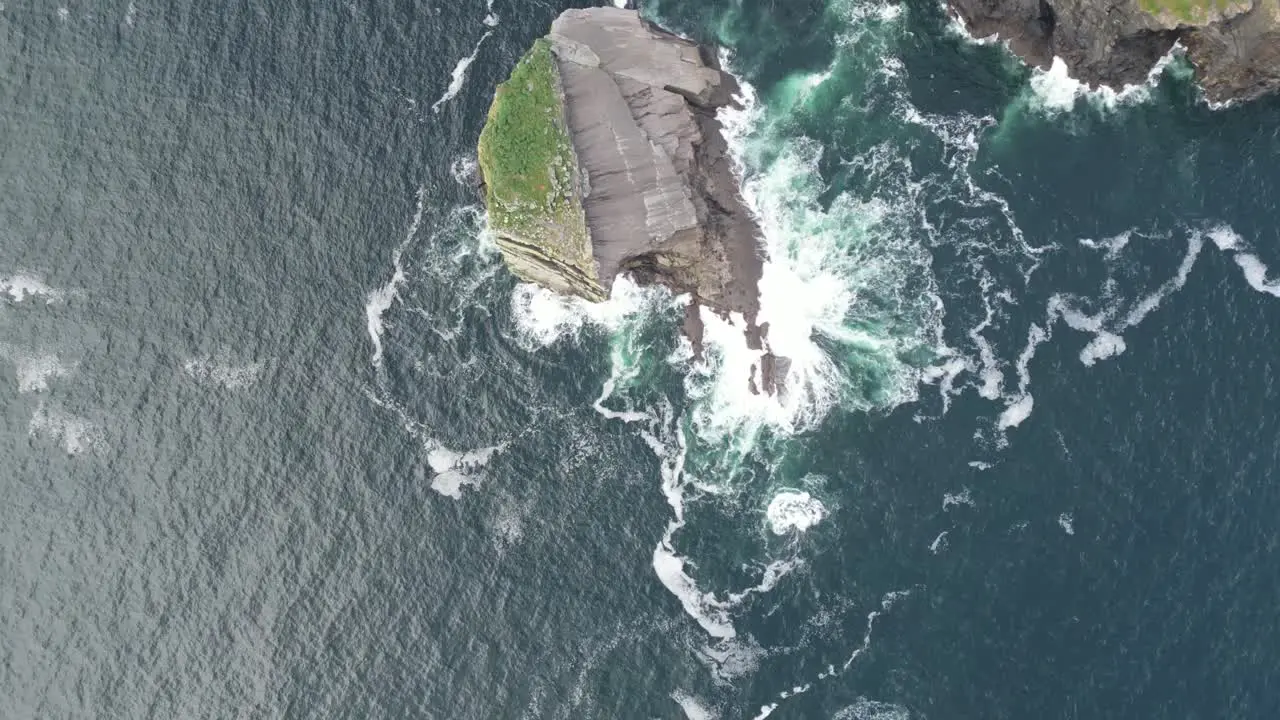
[633, 113]
[1234, 45]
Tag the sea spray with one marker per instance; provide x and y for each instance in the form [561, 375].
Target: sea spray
[850, 301]
[794, 512]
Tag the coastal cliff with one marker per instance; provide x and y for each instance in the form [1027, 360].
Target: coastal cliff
[602, 155]
[1233, 44]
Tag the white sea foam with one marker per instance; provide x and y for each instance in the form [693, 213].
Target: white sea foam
[1018, 407]
[823, 619]
[1016, 412]
[769, 577]
[508, 522]
[864, 709]
[794, 511]
[21, 287]
[964, 497]
[221, 370]
[459, 75]
[825, 261]
[75, 434]
[457, 469]
[989, 369]
[765, 711]
[35, 370]
[694, 708]
[490, 17]
[621, 373]
[1255, 271]
[464, 170]
[1225, 238]
[665, 437]
[939, 543]
[1195, 241]
[543, 317]
[1103, 345]
[728, 660]
[832, 294]
[379, 301]
[886, 603]
[1055, 91]
[1067, 522]
[1112, 245]
[1107, 325]
[701, 606]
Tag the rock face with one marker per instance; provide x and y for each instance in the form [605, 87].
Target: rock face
[650, 174]
[1233, 44]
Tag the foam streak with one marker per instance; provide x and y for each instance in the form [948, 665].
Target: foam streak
[460, 72]
[380, 300]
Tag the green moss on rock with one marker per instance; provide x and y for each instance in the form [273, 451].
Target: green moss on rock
[1191, 12]
[530, 175]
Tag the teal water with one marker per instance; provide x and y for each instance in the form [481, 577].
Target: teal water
[280, 436]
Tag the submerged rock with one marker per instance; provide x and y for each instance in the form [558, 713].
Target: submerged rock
[602, 155]
[1233, 44]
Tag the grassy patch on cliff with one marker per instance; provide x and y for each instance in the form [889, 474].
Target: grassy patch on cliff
[1187, 11]
[528, 162]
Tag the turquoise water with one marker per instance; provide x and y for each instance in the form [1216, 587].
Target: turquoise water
[282, 438]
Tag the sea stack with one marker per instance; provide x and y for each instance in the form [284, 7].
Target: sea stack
[1233, 44]
[602, 155]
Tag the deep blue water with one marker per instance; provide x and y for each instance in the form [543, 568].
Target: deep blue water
[281, 437]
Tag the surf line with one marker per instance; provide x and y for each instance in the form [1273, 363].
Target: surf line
[379, 301]
[886, 604]
[460, 73]
[712, 613]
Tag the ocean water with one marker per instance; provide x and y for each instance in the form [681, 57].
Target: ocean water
[281, 437]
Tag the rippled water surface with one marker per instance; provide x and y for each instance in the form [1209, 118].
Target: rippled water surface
[281, 437]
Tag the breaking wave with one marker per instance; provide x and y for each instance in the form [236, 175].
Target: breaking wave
[1053, 92]
[852, 221]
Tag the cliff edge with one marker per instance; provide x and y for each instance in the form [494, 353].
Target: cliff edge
[602, 155]
[1233, 44]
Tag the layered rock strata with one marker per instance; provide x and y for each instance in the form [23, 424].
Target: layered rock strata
[639, 179]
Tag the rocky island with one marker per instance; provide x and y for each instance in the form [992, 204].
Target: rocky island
[602, 155]
[1233, 44]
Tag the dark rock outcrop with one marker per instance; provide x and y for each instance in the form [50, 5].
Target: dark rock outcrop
[653, 177]
[660, 197]
[1234, 45]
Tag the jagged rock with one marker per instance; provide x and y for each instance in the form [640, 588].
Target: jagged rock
[1234, 45]
[646, 171]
